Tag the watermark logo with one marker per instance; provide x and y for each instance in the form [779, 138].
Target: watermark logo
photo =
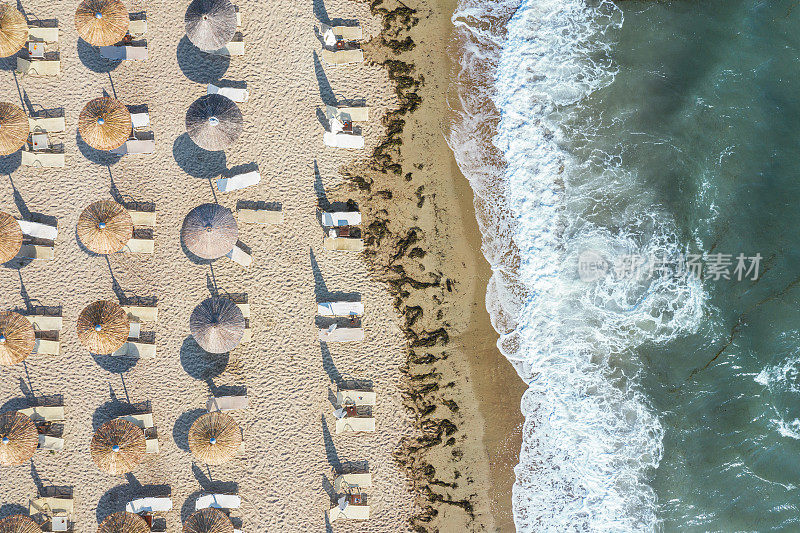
[592, 266]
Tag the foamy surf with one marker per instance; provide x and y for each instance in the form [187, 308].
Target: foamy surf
[543, 195]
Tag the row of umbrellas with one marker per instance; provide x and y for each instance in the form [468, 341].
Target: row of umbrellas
[210, 24]
[203, 521]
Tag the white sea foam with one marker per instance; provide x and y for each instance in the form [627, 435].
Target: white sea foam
[590, 439]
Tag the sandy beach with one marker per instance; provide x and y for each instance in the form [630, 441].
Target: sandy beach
[284, 471]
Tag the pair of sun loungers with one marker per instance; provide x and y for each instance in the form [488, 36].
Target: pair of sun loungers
[135, 347]
[40, 62]
[47, 329]
[133, 146]
[352, 504]
[41, 151]
[340, 120]
[129, 51]
[331, 221]
[57, 512]
[139, 245]
[47, 415]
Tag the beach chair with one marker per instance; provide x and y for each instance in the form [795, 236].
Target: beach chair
[136, 147]
[239, 256]
[51, 443]
[234, 48]
[355, 397]
[226, 403]
[47, 347]
[38, 230]
[38, 67]
[45, 413]
[36, 252]
[347, 481]
[260, 216]
[149, 505]
[123, 53]
[348, 510]
[140, 121]
[337, 334]
[240, 96]
[334, 34]
[58, 511]
[248, 331]
[43, 159]
[343, 244]
[145, 422]
[343, 140]
[141, 313]
[139, 246]
[42, 35]
[134, 347]
[218, 501]
[239, 181]
[347, 114]
[345, 309]
[47, 124]
[45, 322]
[336, 219]
[351, 424]
[143, 218]
[137, 28]
[342, 57]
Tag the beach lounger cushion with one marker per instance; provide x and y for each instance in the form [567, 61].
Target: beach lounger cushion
[140, 246]
[138, 350]
[43, 159]
[218, 501]
[260, 216]
[227, 403]
[47, 347]
[51, 506]
[141, 313]
[355, 397]
[47, 124]
[239, 181]
[232, 49]
[136, 147]
[137, 28]
[38, 67]
[342, 57]
[151, 446]
[142, 420]
[238, 95]
[238, 255]
[48, 442]
[352, 512]
[36, 251]
[343, 140]
[355, 424]
[38, 230]
[38, 33]
[361, 480]
[140, 120]
[149, 505]
[123, 53]
[341, 335]
[45, 413]
[344, 244]
[45, 323]
[341, 218]
[340, 308]
[143, 218]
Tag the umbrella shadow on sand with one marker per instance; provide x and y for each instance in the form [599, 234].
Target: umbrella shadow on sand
[115, 498]
[199, 66]
[91, 58]
[200, 364]
[180, 431]
[197, 162]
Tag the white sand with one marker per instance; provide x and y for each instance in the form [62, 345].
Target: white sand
[281, 475]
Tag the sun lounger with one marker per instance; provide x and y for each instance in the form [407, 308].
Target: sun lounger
[343, 140]
[232, 49]
[226, 403]
[38, 67]
[237, 255]
[345, 244]
[45, 414]
[45, 35]
[248, 331]
[240, 96]
[48, 442]
[38, 230]
[140, 121]
[218, 501]
[45, 323]
[36, 251]
[260, 216]
[136, 349]
[136, 147]
[239, 181]
[51, 506]
[143, 420]
[238, 17]
[348, 510]
[348, 33]
[47, 124]
[347, 114]
[149, 505]
[340, 218]
[340, 308]
[355, 397]
[43, 159]
[137, 28]
[140, 246]
[341, 334]
[143, 218]
[47, 347]
[345, 481]
[342, 57]
[123, 53]
[355, 424]
[151, 446]
[141, 313]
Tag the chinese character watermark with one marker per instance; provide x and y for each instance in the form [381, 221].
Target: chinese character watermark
[592, 266]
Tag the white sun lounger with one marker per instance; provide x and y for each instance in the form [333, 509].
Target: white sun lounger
[51, 506]
[355, 397]
[136, 147]
[239, 181]
[149, 505]
[340, 218]
[342, 57]
[340, 308]
[237, 255]
[47, 124]
[341, 334]
[218, 501]
[140, 121]
[363, 480]
[355, 424]
[142, 420]
[141, 313]
[45, 414]
[140, 246]
[240, 96]
[48, 442]
[38, 67]
[226, 403]
[45, 322]
[43, 159]
[137, 28]
[347, 114]
[248, 331]
[341, 33]
[38, 230]
[345, 244]
[151, 446]
[40, 34]
[36, 251]
[136, 349]
[347, 510]
[143, 218]
[232, 49]
[260, 216]
[47, 347]
[123, 53]
[343, 140]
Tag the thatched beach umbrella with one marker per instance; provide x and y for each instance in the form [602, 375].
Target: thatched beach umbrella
[17, 338]
[210, 24]
[105, 227]
[105, 123]
[214, 438]
[19, 523]
[13, 30]
[14, 128]
[10, 237]
[18, 438]
[208, 520]
[123, 522]
[209, 231]
[217, 324]
[102, 22]
[213, 122]
[118, 446]
[103, 327]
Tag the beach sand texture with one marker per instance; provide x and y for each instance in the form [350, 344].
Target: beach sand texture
[289, 448]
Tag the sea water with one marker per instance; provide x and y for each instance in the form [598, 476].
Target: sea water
[658, 135]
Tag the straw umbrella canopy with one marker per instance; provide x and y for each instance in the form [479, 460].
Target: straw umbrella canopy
[103, 327]
[10, 237]
[13, 30]
[17, 338]
[217, 324]
[105, 123]
[208, 520]
[118, 446]
[105, 227]
[19, 523]
[209, 231]
[214, 438]
[101, 22]
[18, 438]
[123, 522]
[210, 24]
[213, 122]
[14, 128]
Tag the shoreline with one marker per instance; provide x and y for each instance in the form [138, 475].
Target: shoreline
[422, 239]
